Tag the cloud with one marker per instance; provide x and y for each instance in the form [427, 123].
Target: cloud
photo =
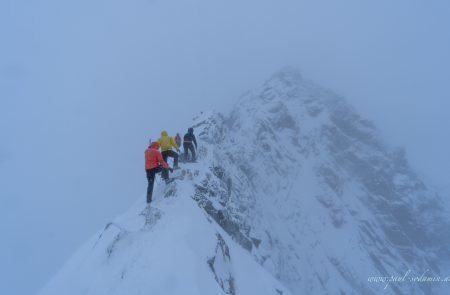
[86, 83]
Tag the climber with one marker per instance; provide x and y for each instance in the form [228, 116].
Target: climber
[178, 139]
[166, 142]
[188, 144]
[154, 163]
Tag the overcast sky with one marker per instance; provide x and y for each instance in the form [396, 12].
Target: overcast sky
[85, 83]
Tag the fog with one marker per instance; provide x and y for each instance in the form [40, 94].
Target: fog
[85, 84]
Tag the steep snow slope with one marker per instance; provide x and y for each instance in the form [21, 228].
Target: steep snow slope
[171, 247]
[307, 189]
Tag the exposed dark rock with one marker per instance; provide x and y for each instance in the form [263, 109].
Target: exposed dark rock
[222, 276]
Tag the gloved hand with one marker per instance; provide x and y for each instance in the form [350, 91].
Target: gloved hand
[171, 170]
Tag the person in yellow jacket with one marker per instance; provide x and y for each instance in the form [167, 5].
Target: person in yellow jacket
[166, 143]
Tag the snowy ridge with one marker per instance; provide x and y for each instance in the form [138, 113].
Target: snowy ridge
[292, 183]
[170, 247]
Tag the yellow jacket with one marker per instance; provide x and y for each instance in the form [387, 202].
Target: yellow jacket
[166, 142]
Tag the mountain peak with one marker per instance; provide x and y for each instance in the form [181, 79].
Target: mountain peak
[288, 74]
[302, 155]
[293, 184]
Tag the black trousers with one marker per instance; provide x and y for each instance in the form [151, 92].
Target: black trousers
[189, 146]
[151, 179]
[171, 154]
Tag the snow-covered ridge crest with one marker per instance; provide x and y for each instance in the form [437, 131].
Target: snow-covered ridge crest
[292, 181]
[168, 247]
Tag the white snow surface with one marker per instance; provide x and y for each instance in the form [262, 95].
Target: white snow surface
[163, 249]
[168, 247]
[292, 185]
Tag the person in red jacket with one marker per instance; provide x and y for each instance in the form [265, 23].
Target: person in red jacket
[154, 163]
[178, 139]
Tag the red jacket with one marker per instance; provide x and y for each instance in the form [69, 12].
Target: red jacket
[153, 157]
[178, 139]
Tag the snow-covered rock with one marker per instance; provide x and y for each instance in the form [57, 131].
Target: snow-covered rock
[170, 247]
[306, 185]
[293, 187]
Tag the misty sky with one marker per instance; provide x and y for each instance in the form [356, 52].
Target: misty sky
[85, 83]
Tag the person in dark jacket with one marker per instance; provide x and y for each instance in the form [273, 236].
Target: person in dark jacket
[188, 144]
[154, 163]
